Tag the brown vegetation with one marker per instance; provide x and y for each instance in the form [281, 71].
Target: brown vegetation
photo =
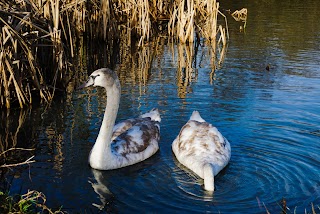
[39, 37]
[31, 202]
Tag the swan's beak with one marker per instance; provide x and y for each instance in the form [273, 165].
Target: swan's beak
[89, 82]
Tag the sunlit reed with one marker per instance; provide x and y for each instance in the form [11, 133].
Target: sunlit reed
[241, 16]
[196, 17]
[39, 37]
[181, 22]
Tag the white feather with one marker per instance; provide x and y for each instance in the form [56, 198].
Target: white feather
[202, 148]
[128, 142]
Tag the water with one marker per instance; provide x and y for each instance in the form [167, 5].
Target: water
[271, 119]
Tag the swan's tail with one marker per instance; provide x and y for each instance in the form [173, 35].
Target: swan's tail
[153, 114]
[208, 177]
[196, 116]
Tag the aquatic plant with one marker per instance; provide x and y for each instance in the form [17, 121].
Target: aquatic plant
[282, 204]
[31, 202]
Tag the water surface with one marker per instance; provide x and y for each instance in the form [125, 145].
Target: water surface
[271, 118]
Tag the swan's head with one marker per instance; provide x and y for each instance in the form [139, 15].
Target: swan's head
[103, 77]
[196, 116]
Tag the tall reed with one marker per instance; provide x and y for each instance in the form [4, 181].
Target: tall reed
[181, 21]
[23, 39]
[39, 37]
[191, 17]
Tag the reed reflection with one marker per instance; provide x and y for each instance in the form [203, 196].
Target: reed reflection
[12, 151]
[185, 72]
[217, 53]
[56, 142]
[135, 65]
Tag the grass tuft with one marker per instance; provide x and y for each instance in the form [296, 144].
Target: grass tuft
[31, 202]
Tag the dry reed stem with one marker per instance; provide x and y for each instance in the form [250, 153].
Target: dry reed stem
[144, 21]
[181, 22]
[28, 161]
[17, 40]
[17, 88]
[241, 16]
[39, 199]
[211, 22]
[105, 8]
[12, 149]
[19, 34]
[183, 19]
[223, 37]
[226, 23]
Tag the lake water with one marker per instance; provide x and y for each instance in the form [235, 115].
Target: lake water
[271, 119]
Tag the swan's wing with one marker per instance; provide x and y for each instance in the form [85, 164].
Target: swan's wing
[143, 134]
[122, 127]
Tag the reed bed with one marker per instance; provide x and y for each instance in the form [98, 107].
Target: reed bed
[27, 40]
[40, 38]
[200, 18]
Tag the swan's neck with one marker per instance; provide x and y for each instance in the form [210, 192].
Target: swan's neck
[109, 118]
[101, 151]
[208, 177]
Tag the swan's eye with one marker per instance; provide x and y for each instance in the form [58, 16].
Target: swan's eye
[94, 77]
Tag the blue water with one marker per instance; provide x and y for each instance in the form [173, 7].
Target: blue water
[271, 118]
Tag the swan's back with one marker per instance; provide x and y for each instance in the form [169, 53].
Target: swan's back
[199, 144]
[152, 118]
[136, 139]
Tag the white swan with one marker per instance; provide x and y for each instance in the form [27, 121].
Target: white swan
[128, 142]
[202, 148]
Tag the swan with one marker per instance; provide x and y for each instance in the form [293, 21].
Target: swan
[127, 142]
[202, 148]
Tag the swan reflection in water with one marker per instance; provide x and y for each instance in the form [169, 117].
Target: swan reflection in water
[189, 182]
[109, 184]
[101, 189]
